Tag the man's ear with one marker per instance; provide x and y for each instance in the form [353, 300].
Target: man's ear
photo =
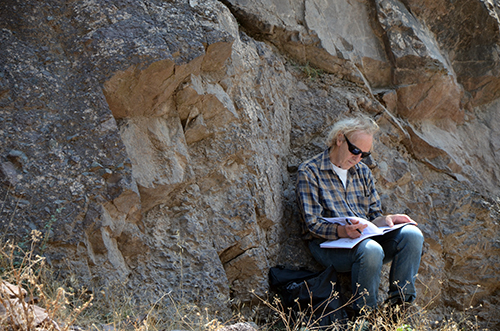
[340, 139]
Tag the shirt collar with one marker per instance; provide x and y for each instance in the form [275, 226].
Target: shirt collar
[325, 163]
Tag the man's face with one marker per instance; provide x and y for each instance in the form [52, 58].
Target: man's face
[359, 139]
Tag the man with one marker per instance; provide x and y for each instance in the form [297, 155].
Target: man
[335, 184]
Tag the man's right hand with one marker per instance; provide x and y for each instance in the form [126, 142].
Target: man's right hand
[351, 231]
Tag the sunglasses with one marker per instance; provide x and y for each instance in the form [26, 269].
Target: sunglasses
[354, 150]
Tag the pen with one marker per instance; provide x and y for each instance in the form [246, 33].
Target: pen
[349, 222]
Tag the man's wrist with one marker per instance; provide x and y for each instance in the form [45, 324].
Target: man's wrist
[341, 232]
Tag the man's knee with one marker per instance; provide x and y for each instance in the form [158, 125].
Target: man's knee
[413, 235]
[371, 254]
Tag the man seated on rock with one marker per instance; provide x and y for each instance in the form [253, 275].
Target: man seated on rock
[335, 184]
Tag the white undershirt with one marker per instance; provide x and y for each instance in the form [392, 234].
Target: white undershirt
[341, 172]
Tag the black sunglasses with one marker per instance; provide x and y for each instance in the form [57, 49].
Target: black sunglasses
[354, 150]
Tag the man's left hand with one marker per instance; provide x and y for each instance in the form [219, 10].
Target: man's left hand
[390, 220]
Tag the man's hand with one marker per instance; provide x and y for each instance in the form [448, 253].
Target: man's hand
[351, 231]
[390, 220]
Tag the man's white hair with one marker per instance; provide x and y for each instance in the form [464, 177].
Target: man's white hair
[347, 125]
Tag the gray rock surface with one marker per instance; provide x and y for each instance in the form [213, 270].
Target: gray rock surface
[155, 143]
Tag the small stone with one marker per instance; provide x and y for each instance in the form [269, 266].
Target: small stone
[95, 166]
[106, 173]
[8, 174]
[18, 158]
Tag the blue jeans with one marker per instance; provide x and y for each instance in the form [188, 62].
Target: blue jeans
[402, 247]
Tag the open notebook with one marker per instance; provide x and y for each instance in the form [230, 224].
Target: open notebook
[370, 231]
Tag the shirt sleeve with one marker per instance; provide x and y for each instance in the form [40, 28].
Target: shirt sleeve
[310, 207]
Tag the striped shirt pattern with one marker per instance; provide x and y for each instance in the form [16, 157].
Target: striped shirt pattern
[320, 193]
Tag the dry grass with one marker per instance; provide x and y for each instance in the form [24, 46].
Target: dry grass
[386, 318]
[71, 308]
[45, 303]
[26, 302]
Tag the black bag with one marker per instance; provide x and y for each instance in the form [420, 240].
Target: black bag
[308, 294]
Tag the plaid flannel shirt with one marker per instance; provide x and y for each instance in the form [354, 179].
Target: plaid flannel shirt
[320, 193]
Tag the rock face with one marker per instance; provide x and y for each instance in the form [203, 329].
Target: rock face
[155, 143]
